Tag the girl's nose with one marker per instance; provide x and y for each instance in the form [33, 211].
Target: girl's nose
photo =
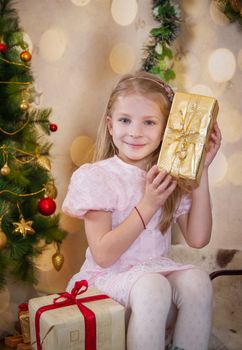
[135, 130]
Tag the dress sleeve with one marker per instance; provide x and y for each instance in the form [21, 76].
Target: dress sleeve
[183, 207]
[89, 189]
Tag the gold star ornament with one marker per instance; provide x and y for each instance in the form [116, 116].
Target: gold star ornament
[23, 227]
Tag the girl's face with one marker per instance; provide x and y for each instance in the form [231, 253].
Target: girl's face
[137, 126]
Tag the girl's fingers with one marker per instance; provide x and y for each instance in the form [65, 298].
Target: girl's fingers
[152, 173]
[159, 178]
[164, 184]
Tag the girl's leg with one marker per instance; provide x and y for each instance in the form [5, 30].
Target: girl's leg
[192, 294]
[150, 301]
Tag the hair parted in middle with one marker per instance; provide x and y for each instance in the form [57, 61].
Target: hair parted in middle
[152, 87]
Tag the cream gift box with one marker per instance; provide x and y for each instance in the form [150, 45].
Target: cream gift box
[186, 137]
[65, 327]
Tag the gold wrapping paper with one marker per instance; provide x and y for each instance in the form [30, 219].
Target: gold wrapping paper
[24, 324]
[64, 329]
[186, 137]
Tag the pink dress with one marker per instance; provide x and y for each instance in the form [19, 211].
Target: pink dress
[115, 186]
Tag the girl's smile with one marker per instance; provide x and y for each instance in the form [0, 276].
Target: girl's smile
[137, 126]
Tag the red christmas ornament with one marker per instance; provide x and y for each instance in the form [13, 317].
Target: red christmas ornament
[3, 47]
[53, 127]
[46, 206]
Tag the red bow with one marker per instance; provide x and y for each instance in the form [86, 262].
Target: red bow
[71, 299]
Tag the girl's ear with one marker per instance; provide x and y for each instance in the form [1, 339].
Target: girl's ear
[109, 125]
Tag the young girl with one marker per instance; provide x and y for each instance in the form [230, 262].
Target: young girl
[128, 206]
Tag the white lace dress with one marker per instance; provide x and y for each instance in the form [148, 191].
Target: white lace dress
[115, 186]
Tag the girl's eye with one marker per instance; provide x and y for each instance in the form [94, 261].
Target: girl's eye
[124, 120]
[149, 122]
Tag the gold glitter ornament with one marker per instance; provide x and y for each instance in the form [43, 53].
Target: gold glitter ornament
[3, 237]
[44, 162]
[25, 56]
[51, 190]
[5, 170]
[24, 105]
[58, 260]
[23, 227]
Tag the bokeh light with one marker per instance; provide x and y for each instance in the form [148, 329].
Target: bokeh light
[122, 58]
[201, 89]
[234, 173]
[218, 169]
[81, 151]
[230, 121]
[221, 65]
[53, 44]
[80, 2]
[124, 11]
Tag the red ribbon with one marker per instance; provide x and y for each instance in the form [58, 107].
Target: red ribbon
[23, 307]
[71, 299]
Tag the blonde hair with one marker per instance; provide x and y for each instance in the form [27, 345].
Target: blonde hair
[150, 86]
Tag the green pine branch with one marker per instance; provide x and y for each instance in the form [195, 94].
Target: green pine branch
[23, 177]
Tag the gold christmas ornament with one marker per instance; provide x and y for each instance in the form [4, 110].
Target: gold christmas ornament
[25, 56]
[5, 170]
[23, 227]
[24, 105]
[3, 240]
[58, 260]
[3, 237]
[51, 190]
[44, 162]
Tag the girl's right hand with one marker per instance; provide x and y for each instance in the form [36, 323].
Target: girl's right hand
[159, 186]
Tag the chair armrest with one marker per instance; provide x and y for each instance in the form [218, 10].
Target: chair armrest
[228, 272]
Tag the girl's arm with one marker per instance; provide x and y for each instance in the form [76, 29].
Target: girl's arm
[107, 244]
[196, 226]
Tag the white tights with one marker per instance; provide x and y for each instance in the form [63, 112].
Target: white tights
[152, 300]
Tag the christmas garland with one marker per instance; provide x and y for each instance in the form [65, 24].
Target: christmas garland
[158, 55]
[232, 9]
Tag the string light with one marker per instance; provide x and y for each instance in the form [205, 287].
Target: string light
[16, 131]
[16, 82]
[14, 63]
[23, 194]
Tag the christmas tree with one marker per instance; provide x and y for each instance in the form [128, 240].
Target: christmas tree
[27, 189]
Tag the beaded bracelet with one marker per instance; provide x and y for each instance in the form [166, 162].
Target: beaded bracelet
[140, 217]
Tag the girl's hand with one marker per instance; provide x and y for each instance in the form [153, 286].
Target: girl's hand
[159, 186]
[214, 144]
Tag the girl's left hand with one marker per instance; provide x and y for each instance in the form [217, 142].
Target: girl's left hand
[213, 145]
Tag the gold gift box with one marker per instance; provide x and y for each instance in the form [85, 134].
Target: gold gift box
[186, 137]
[24, 324]
[64, 328]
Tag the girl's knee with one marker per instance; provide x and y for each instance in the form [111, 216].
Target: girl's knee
[193, 283]
[151, 289]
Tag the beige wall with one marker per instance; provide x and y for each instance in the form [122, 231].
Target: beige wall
[71, 65]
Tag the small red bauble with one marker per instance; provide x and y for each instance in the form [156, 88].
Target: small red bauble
[46, 206]
[3, 47]
[25, 56]
[53, 127]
